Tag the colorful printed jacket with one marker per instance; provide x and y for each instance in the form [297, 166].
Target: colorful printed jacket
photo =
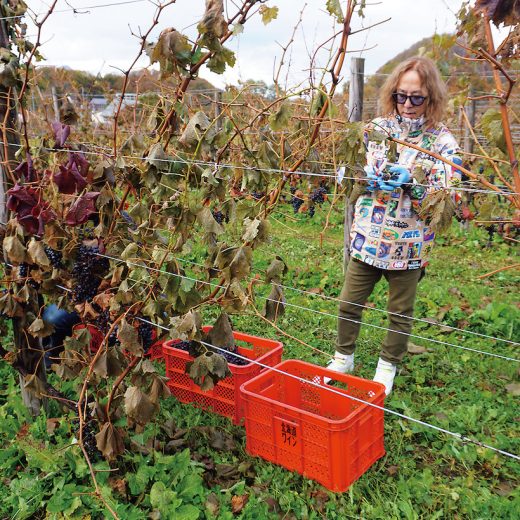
[387, 232]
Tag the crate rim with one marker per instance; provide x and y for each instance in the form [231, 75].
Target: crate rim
[276, 345]
[336, 422]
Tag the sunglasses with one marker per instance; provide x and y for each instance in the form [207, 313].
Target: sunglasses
[416, 101]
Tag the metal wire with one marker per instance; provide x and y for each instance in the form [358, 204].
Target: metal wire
[440, 342]
[332, 298]
[324, 174]
[456, 435]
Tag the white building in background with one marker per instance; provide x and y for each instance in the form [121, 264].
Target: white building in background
[102, 111]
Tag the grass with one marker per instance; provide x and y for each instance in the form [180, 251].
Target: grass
[424, 474]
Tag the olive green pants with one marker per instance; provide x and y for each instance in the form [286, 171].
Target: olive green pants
[360, 280]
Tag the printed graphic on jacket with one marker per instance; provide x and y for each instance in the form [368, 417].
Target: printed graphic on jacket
[387, 232]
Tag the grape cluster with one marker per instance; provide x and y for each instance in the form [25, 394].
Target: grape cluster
[296, 203]
[230, 357]
[89, 437]
[218, 216]
[23, 270]
[129, 220]
[318, 195]
[312, 210]
[257, 195]
[145, 331]
[87, 272]
[103, 323]
[54, 256]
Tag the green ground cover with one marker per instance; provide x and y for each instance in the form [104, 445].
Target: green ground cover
[191, 464]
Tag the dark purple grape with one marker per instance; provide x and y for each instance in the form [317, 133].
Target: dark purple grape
[145, 331]
[87, 272]
[54, 256]
[318, 195]
[218, 216]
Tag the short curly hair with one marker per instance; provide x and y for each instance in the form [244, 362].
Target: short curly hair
[431, 80]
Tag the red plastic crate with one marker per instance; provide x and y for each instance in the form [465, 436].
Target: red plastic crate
[311, 430]
[225, 398]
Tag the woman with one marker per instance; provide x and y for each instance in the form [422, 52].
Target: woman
[387, 237]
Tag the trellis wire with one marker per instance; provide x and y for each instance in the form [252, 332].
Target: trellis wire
[325, 174]
[196, 280]
[332, 298]
[456, 435]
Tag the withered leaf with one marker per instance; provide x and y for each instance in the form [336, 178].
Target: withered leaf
[275, 303]
[40, 328]
[221, 335]
[276, 270]
[129, 338]
[138, 405]
[37, 253]
[187, 326]
[213, 22]
[238, 502]
[208, 369]
[109, 441]
[14, 249]
[208, 222]
[437, 209]
[198, 128]
[158, 390]
[108, 364]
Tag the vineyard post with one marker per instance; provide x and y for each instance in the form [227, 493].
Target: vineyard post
[217, 100]
[470, 110]
[28, 347]
[355, 112]
[56, 103]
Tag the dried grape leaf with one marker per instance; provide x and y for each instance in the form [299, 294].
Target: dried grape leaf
[129, 338]
[37, 253]
[208, 222]
[198, 128]
[276, 270]
[213, 23]
[14, 249]
[172, 51]
[275, 303]
[138, 405]
[221, 335]
[505, 12]
[40, 328]
[109, 441]
[207, 370]
[437, 210]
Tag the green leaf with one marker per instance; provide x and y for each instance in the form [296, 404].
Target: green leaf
[268, 13]
[280, 119]
[334, 8]
[217, 63]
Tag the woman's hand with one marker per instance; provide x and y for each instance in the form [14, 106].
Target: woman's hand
[374, 179]
[400, 176]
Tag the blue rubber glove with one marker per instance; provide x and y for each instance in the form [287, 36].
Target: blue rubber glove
[374, 179]
[400, 176]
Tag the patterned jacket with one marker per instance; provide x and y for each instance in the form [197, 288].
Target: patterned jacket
[387, 232]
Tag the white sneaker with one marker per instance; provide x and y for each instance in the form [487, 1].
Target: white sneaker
[385, 373]
[343, 363]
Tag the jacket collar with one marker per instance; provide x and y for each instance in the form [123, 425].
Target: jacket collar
[409, 125]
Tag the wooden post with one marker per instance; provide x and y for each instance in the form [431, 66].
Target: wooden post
[355, 111]
[56, 103]
[217, 100]
[29, 349]
[470, 113]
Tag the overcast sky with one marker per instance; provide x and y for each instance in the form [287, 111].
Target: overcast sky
[101, 39]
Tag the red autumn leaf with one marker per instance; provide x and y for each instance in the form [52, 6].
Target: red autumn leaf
[26, 170]
[61, 133]
[82, 209]
[31, 210]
